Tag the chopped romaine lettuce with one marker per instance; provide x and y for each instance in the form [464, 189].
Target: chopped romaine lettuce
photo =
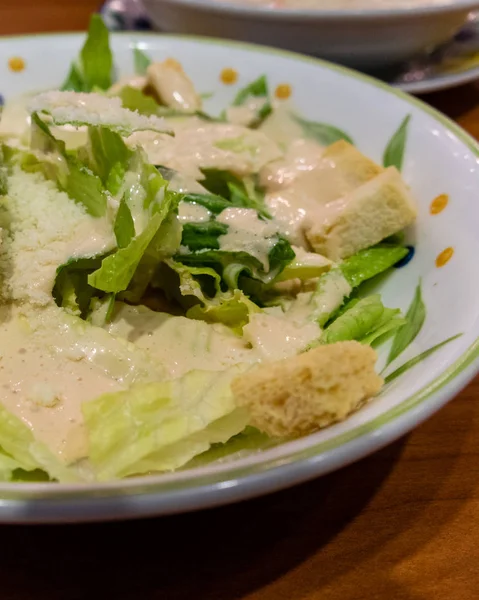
[118, 269]
[134, 99]
[336, 285]
[249, 441]
[198, 236]
[371, 262]
[20, 450]
[231, 265]
[70, 174]
[141, 60]
[71, 289]
[105, 152]
[306, 265]
[201, 296]
[161, 426]
[256, 89]
[321, 132]
[95, 65]
[361, 322]
[239, 192]
[124, 226]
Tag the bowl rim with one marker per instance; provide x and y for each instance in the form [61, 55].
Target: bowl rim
[221, 484]
[360, 14]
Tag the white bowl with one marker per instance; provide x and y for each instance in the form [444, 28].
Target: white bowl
[440, 159]
[364, 39]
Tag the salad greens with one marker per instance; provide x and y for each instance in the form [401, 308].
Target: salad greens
[394, 153]
[94, 67]
[141, 60]
[151, 427]
[257, 89]
[163, 273]
[322, 132]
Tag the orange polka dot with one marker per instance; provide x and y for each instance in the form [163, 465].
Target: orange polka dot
[444, 257]
[16, 64]
[439, 204]
[229, 76]
[283, 91]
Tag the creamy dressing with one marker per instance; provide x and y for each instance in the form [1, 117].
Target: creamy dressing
[247, 233]
[194, 146]
[307, 186]
[334, 288]
[246, 113]
[276, 337]
[36, 244]
[178, 343]
[51, 362]
[191, 212]
[15, 120]
[32, 370]
[135, 81]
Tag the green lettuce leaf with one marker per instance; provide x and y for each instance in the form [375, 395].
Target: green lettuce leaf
[95, 64]
[394, 153]
[232, 265]
[371, 262]
[337, 284]
[124, 226]
[71, 289]
[256, 89]
[20, 450]
[361, 322]
[161, 426]
[202, 297]
[239, 192]
[134, 99]
[105, 152]
[215, 204]
[198, 236]
[74, 81]
[3, 175]
[233, 309]
[118, 269]
[69, 173]
[306, 265]
[321, 132]
[141, 61]
[248, 442]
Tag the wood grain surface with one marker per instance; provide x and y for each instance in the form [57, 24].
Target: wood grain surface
[402, 524]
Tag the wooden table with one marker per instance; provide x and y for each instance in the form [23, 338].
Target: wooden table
[400, 525]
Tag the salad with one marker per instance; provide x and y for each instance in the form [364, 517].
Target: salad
[177, 286]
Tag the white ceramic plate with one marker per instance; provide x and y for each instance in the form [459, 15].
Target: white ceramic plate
[361, 38]
[452, 64]
[440, 159]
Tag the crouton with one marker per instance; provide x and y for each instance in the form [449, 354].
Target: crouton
[344, 165]
[299, 395]
[379, 208]
[172, 86]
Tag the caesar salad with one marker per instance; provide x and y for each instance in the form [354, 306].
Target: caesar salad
[174, 282]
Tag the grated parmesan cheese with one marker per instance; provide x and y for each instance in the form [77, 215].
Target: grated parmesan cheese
[94, 109]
